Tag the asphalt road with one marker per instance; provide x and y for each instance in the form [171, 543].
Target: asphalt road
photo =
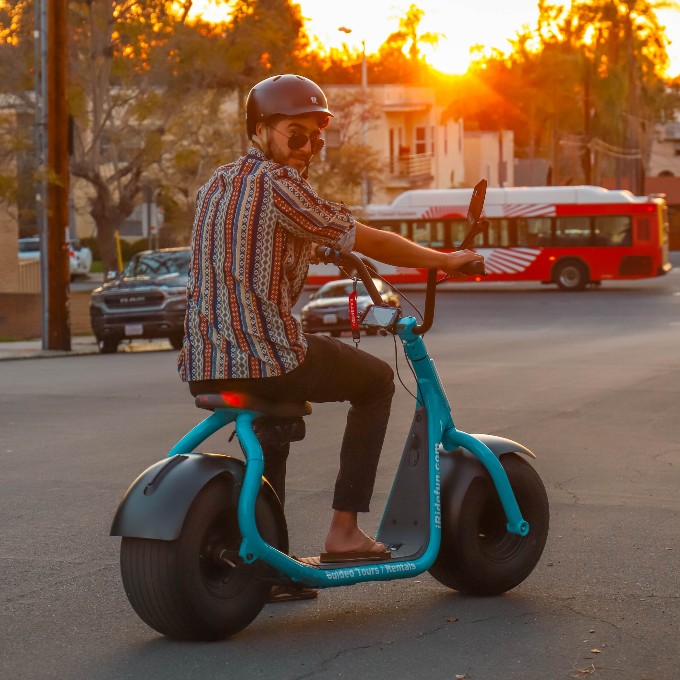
[589, 381]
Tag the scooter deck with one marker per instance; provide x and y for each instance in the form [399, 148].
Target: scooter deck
[360, 559]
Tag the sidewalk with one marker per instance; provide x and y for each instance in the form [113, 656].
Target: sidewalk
[80, 345]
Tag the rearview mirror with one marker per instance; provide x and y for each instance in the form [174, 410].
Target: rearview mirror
[476, 202]
[477, 226]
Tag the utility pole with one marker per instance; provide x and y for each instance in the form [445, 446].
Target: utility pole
[587, 149]
[40, 36]
[58, 331]
[364, 122]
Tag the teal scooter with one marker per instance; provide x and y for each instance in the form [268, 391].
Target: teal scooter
[205, 537]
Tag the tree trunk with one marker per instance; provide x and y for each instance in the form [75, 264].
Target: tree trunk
[107, 245]
[110, 212]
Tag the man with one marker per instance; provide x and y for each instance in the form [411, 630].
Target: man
[257, 220]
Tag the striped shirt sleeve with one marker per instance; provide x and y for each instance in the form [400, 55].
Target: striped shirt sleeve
[304, 213]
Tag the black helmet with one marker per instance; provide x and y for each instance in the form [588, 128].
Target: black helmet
[287, 95]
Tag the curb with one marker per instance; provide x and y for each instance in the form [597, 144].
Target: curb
[32, 349]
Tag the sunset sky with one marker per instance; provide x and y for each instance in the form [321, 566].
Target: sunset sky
[464, 24]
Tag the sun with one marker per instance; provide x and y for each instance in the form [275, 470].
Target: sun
[463, 28]
[371, 23]
[449, 56]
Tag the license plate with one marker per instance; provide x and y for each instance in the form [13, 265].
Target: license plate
[330, 319]
[133, 330]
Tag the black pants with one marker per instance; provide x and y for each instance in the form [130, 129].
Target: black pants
[331, 371]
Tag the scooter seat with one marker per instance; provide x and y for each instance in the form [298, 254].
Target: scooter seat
[247, 402]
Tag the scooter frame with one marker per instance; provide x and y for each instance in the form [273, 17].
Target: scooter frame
[412, 532]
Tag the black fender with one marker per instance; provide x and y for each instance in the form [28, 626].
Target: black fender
[157, 502]
[501, 445]
[459, 468]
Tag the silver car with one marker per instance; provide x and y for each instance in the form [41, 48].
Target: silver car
[328, 307]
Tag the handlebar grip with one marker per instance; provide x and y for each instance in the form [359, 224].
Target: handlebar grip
[474, 268]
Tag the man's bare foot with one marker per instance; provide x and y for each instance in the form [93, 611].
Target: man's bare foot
[344, 535]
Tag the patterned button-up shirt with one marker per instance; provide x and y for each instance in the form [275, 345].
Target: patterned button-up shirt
[255, 221]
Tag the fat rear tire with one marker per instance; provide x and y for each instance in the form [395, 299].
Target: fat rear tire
[478, 555]
[181, 590]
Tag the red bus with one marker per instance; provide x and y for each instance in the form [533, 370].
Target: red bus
[570, 236]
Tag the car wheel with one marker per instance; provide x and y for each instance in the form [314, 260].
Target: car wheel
[177, 340]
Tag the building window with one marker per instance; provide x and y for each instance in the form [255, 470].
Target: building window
[421, 146]
[333, 138]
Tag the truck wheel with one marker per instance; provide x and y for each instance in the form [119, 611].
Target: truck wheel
[176, 341]
[478, 555]
[108, 346]
[183, 589]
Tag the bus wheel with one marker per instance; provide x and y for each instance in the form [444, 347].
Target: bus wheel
[571, 275]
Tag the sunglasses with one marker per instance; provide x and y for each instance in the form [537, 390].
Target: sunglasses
[297, 140]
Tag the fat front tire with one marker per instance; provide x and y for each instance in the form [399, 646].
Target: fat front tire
[181, 588]
[478, 555]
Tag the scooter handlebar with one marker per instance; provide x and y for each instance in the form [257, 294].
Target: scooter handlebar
[331, 256]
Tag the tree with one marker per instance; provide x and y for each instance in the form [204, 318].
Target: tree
[588, 77]
[399, 57]
[346, 161]
[17, 171]
[151, 94]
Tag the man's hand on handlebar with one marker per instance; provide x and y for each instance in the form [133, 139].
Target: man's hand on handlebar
[462, 263]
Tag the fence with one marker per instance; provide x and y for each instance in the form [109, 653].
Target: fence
[29, 276]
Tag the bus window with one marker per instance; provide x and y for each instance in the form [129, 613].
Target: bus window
[612, 230]
[438, 235]
[572, 231]
[534, 232]
[421, 233]
[498, 233]
[430, 234]
[644, 229]
[400, 228]
[459, 230]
